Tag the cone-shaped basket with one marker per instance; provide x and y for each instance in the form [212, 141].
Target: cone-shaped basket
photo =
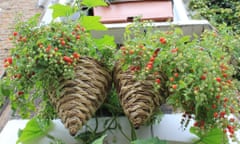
[80, 97]
[138, 98]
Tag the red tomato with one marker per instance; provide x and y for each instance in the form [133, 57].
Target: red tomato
[78, 37]
[162, 40]
[174, 50]
[63, 43]
[218, 79]
[152, 59]
[20, 93]
[8, 60]
[149, 66]
[158, 81]
[15, 33]
[67, 59]
[171, 79]
[131, 51]
[174, 86]
[76, 55]
[203, 77]
[176, 74]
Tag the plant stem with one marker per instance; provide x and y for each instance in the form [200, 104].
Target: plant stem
[133, 132]
[54, 139]
[120, 129]
[95, 130]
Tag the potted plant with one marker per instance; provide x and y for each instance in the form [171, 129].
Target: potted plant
[52, 62]
[196, 71]
[59, 69]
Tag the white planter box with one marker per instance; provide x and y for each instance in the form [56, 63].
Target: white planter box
[188, 27]
[168, 129]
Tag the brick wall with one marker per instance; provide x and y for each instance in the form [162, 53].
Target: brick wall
[9, 10]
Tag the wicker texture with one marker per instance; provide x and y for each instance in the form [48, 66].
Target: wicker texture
[138, 98]
[81, 97]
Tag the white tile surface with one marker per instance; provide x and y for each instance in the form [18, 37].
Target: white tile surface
[168, 129]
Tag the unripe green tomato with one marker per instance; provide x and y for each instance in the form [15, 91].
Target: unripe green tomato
[195, 92]
[225, 87]
[185, 64]
[217, 83]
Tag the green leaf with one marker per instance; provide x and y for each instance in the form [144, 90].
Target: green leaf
[92, 23]
[99, 140]
[185, 39]
[34, 19]
[178, 31]
[35, 128]
[60, 10]
[155, 140]
[215, 135]
[171, 100]
[182, 84]
[195, 131]
[5, 89]
[94, 3]
[106, 40]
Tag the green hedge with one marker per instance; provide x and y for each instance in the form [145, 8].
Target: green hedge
[218, 12]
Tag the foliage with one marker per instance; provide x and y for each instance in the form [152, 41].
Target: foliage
[34, 129]
[218, 12]
[4, 91]
[111, 106]
[44, 54]
[215, 135]
[89, 3]
[198, 70]
[231, 40]
[224, 15]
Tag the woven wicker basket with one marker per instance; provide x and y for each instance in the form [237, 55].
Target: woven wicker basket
[82, 96]
[138, 98]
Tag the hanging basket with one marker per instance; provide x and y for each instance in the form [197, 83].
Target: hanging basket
[138, 98]
[80, 97]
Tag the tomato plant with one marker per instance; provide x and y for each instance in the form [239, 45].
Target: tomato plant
[224, 16]
[199, 70]
[43, 54]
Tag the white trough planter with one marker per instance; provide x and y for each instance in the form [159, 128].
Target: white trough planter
[188, 27]
[169, 129]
